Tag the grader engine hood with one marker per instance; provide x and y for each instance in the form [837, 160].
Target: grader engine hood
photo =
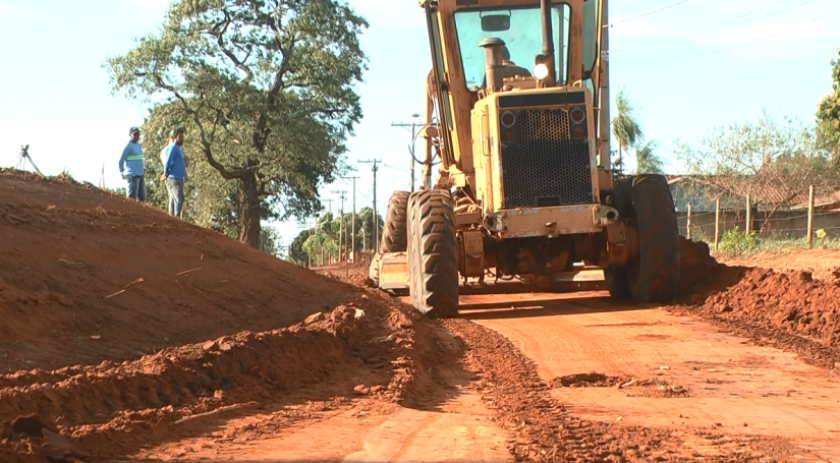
[539, 145]
[537, 162]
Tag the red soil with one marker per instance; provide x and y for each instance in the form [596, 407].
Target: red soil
[65, 248]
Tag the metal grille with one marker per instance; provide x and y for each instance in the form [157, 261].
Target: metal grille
[542, 166]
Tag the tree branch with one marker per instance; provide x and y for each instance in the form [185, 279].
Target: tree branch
[240, 64]
[205, 144]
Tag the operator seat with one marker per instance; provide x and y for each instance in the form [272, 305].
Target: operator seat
[509, 68]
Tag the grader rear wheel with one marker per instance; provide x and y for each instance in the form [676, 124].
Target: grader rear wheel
[653, 275]
[394, 235]
[432, 264]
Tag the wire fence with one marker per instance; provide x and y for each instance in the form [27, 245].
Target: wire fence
[822, 222]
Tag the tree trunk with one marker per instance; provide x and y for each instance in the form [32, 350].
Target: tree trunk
[249, 212]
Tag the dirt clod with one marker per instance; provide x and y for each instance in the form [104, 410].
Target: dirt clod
[586, 380]
[316, 317]
[31, 425]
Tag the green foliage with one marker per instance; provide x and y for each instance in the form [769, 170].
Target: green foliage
[271, 242]
[617, 164]
[625, 127]
[266, 91]
[770, 146]
[647, 162]
[828, 116]
[322, 239]
[775, 154]
[735, 242]
[296, 253]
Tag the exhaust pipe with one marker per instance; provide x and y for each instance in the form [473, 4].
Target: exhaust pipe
[547, 56]
[493, 62]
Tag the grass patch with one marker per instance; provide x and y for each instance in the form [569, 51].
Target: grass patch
[736, 242]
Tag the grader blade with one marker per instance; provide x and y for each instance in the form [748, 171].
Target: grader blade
[393, 271]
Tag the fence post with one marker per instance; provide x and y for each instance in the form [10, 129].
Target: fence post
[717, 223]
[748, 225]
[810, 214]
[688, 222]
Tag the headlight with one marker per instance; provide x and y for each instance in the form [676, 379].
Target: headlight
[541, 71]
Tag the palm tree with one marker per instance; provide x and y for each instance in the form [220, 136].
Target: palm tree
[646, 161]
[625, 127]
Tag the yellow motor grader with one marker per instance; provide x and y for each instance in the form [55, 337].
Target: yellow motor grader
[517, 123]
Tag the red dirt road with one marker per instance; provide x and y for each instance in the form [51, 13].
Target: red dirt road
[680, 371]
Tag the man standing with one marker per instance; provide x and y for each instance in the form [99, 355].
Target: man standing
[131, 166]
[510, 69]
[163, 154]
[174, 171]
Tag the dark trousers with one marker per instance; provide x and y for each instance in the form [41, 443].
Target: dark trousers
[136, 187]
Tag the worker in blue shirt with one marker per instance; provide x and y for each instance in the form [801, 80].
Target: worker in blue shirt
[174, 171]
[131, 166]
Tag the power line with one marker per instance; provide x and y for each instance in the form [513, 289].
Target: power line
[395, 168]
[727, 24]
[648, 13]
[736, 46]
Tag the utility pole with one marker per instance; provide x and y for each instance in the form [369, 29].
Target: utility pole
[102, 177]
[341, 230]
[604, 104]
[353, 232]
[323, 250]
[413, 126]
[375, 168]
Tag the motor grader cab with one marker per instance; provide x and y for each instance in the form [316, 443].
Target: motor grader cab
[523, 186]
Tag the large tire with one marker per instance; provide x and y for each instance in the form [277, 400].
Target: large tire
[394, 237]
[616, 277]
[433, 268]
[373, 272]
[653, 275]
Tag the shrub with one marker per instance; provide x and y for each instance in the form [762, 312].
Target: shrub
[736, 242]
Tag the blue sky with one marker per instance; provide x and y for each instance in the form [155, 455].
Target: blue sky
[54, 92]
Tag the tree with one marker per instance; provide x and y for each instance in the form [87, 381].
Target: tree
[322, 239]
[266, 88]
[296, 253]
[828, 116]
[774, 159]
[271, 242]
[625, 127]
[647, 162]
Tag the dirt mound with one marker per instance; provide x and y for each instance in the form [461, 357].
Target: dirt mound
[821, 262]
[368, 348]
[784, 303]
[87, 275]
[695, 253]
[788, 309]
[701, 275]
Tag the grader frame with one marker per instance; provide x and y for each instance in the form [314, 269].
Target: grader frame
[524, 187]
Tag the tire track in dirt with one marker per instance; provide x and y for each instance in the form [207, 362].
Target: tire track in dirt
[525, 408]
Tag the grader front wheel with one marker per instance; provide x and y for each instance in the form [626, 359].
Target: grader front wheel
[432, 264]
[653, 275]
